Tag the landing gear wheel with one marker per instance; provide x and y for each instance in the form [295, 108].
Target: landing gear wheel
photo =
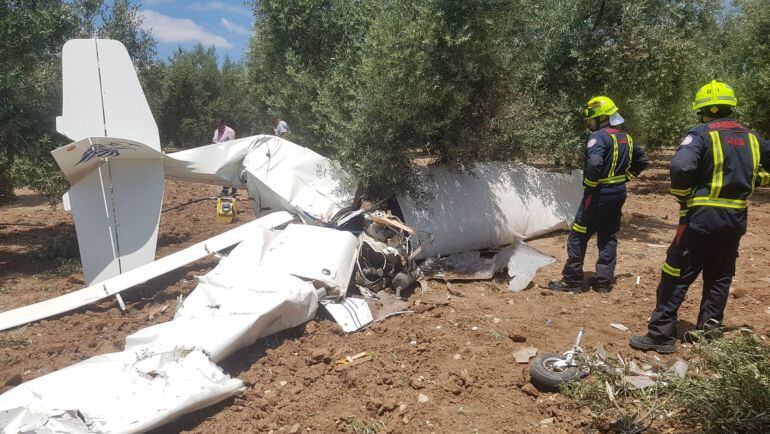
[546, 375]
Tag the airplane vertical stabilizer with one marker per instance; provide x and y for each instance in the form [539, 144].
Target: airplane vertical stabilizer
[102, 94]
[117, 184]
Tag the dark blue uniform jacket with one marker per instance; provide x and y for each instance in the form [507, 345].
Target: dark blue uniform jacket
[611, 160]
[714, 171]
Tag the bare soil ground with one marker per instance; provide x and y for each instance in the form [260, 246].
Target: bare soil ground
[456, 349]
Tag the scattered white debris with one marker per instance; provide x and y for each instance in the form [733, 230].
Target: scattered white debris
[524, 263]
[351, 313]
[638, 279]
[639, 381]
[680, 368]
[422, 398]
[158, 311]
[619, 326]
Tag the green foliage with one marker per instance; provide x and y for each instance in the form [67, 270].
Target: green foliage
[61, 250]
[372, 427]
[726, 389]
[731, 392]
[749, 49]
[11, 343]
[370, 83]
[35, 169]
[66, 267]
[62, 247]
[193, 90]
[32, 35]
[374, 83]
[6, 181]
[649, 56]
[120, 20]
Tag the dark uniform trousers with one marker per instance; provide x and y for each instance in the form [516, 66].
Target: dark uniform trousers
[713, 173]
[689, 254]
[599, 214]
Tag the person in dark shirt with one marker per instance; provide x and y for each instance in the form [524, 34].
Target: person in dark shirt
[611, 160]
[714, 171]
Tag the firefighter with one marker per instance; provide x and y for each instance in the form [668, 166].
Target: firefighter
[611, 160]
[714, 171]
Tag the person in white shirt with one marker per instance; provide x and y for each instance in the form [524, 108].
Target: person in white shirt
[223, 133]
[280, 128]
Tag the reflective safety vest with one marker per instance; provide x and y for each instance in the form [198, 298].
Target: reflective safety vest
[727, 166]
[610, 158]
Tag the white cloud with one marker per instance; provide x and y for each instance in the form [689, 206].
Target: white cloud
[218, 6]
[175, 30]
[235, 28]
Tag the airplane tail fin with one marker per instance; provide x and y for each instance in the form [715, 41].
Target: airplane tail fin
[114, 165]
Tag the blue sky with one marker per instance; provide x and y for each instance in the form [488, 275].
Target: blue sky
[226, 24]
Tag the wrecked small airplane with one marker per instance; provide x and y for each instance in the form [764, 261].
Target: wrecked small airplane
[311, 242]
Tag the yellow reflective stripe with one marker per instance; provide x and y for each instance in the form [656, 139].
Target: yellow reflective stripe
[717, 176]
[630, 152]
[717, 202]
[590, 183]
[614, 156]
[672, 271]
[614, 180]
[701, 101]
[755, 158]
[681, 192]
[764, 177]
[683, 212]
[630, 175]
[580, 229]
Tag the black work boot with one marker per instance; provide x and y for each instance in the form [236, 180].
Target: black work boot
[565, 286]
[710, 331]
[646, 343]
[601, 286]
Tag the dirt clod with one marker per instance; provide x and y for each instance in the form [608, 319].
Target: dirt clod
[320, 355]
[13, 380]
[530, 390]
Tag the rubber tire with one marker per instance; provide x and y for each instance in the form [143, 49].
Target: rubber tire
[547, 380]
